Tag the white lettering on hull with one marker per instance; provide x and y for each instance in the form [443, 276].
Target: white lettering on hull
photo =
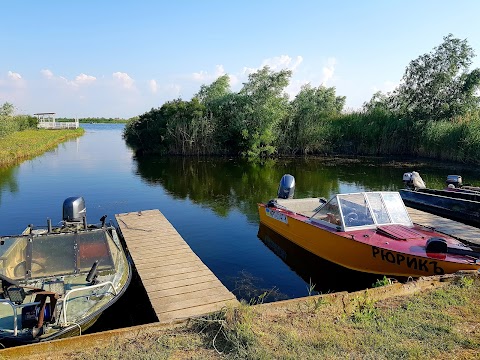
[277, 215]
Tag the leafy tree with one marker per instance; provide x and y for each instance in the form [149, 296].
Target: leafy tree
[264, 104]
[7, 109]
[188, 130]
[438, 85]
[378, 103]
[303, 130]
[178, 127]
[146, 133]
[208, 94]
[229, 122]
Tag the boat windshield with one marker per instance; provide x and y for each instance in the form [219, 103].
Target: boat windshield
[48, 255]
[364, 210]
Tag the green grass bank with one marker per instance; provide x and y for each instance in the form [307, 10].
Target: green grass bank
[22, 145]
[431, 318]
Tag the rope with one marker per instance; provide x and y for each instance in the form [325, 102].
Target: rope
[74, 323]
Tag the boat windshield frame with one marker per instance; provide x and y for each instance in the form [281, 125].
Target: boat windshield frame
[363, 210]
[56, 254]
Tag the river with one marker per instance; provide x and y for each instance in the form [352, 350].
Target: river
[210, 201]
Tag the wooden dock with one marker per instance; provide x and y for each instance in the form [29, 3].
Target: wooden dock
[450, 227]
[179, 285]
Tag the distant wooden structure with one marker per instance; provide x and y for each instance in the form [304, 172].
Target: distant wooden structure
[47, 121]
[179, 285]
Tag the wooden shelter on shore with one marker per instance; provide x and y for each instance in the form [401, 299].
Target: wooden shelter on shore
[47, 121]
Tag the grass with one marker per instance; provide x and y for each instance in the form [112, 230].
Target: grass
[382, 282]
[443, 323]
[26, 144]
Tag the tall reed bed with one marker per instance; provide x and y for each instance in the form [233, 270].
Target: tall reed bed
[380, 134]
[23, 145]
[457, 139]
[375, 133]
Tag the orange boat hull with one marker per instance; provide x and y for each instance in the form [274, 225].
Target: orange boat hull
[343, 249]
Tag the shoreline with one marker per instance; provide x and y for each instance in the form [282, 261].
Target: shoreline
[13, 149]
[430, 317]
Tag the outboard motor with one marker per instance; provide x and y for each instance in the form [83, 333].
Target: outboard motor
[286, 189]
[407, 180]
[413, 180]
[74, 209]
[455, 180]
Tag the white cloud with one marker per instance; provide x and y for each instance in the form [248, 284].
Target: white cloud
[277, 63]
[205, 76]
[124, 79]
[172, 91]
[219, 71]
[47, 73]
[200, 76]
[294, 87]
[14, 76]
[153, 86]
[328, 70]
[84, 79]
[234, 80]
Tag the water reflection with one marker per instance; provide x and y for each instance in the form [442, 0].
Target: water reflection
[212, 202]
[8, 181]
[226, 184]
[219, 215]
[323, 275]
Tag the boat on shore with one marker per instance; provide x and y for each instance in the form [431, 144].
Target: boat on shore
[57, 281]
[366, 231]
[457, 201]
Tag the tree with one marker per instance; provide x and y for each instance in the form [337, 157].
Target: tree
[438, 85]
[308, 109]
[216, 90]
[264, 105]
[378, 103]
[7, 109]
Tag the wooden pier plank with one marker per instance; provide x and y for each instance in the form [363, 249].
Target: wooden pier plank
[179, 285]
[190, 312]
[186, 301]
[168, 280]
[450, 227]
[176, 281]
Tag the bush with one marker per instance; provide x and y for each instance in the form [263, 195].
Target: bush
[10, 124]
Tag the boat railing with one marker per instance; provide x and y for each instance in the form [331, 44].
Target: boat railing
[83, 288]
[15, 314]
[58, 124]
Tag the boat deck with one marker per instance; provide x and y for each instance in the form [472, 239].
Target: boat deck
[179, 285]
[306, 206]
[453, 228]
[450, 227]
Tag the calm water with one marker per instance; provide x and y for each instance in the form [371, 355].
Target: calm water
[211, 202]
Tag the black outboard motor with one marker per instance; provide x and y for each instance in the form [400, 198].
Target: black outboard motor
[74, 209]
[455, 180]
[286, 189]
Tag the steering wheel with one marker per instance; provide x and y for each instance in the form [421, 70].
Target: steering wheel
[350, 217]
[21, 268]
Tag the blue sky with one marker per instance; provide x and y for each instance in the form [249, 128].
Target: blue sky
[121, 58]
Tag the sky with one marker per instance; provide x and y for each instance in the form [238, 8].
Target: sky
[118, 58]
